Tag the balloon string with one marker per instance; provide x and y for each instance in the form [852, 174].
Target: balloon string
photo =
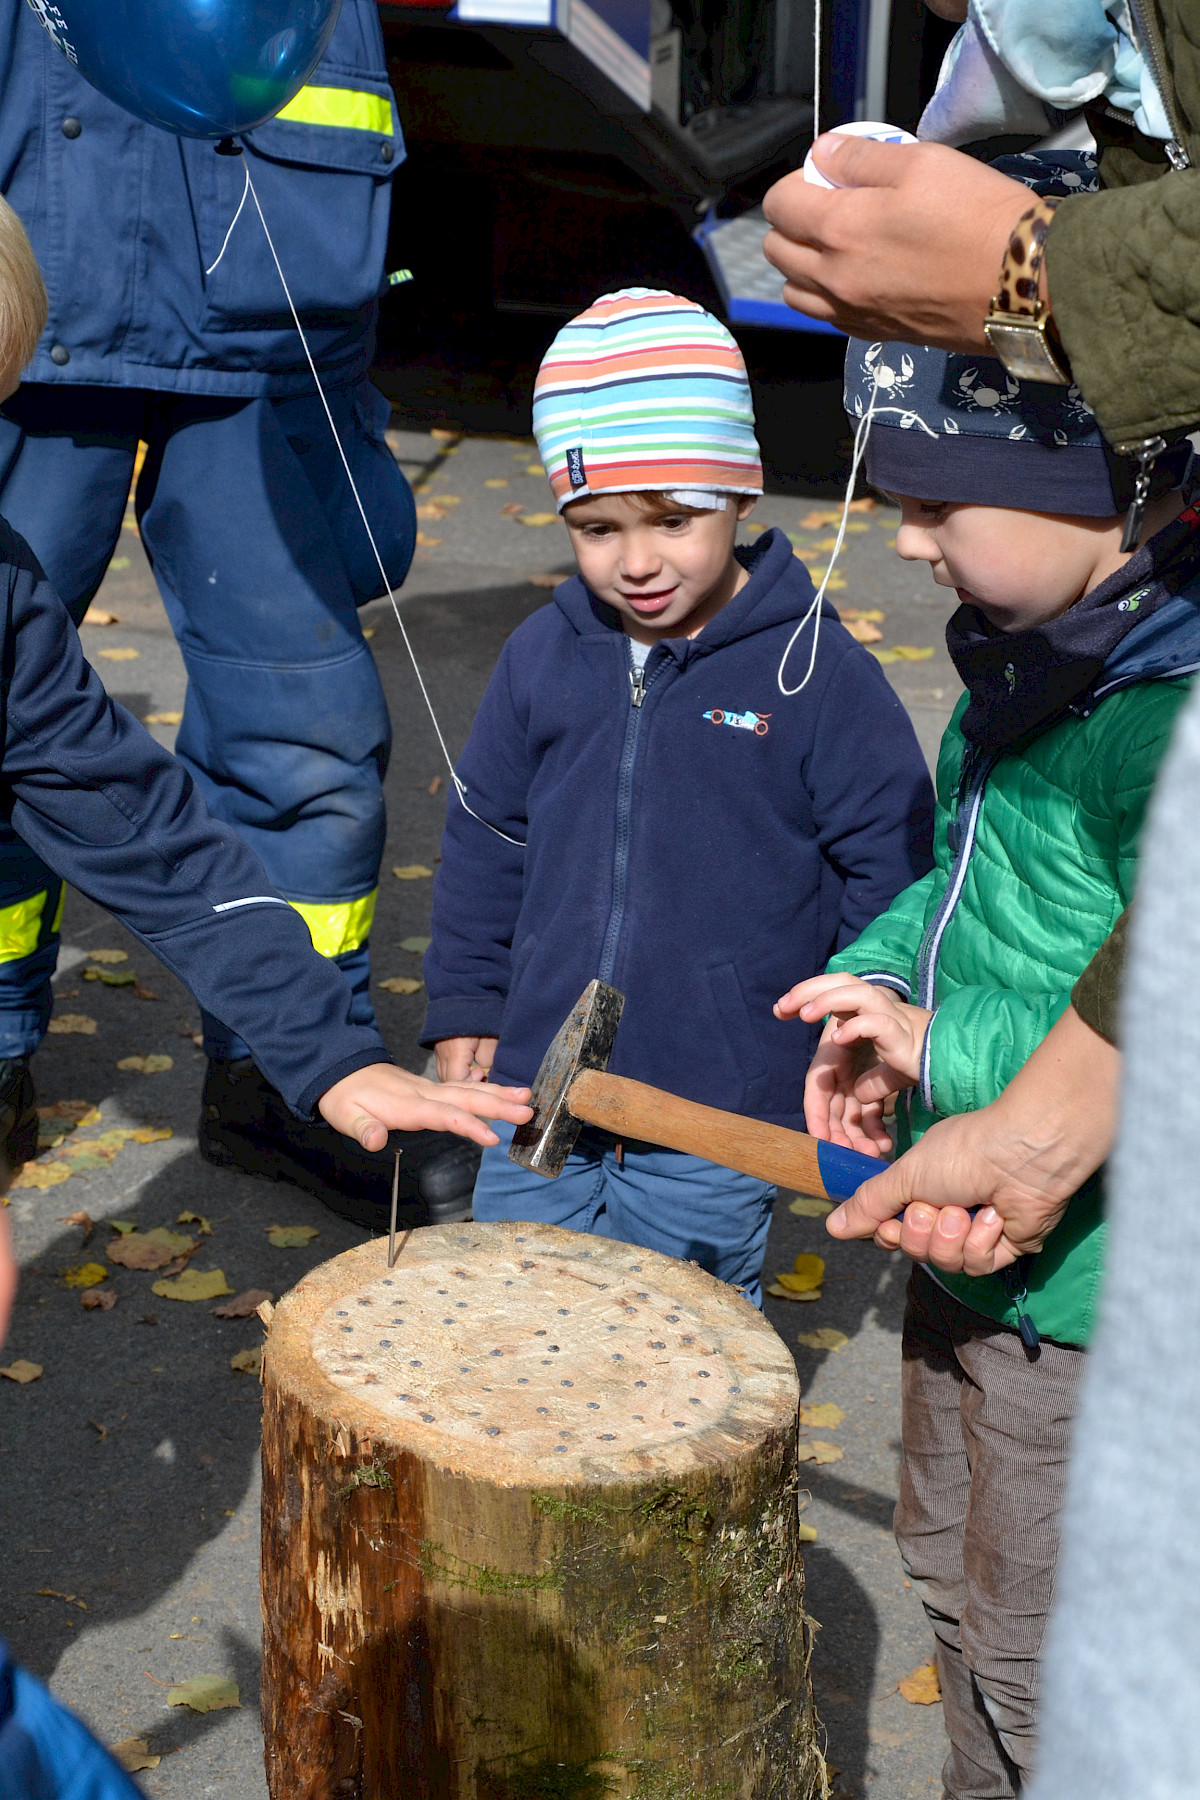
[459, 785]
[237, 215]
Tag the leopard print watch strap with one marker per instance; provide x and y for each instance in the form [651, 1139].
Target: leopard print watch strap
[1018, 326]
[1021, 270]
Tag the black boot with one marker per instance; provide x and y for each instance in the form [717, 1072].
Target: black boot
[18, 1118]
[245, 1124]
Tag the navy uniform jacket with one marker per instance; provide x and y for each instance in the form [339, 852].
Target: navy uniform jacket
[125, 219]
[93, 794]
[699, 864]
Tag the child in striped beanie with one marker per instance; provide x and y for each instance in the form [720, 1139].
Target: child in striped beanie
[647, 799]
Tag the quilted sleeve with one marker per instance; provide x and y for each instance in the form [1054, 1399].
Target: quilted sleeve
[886, 952]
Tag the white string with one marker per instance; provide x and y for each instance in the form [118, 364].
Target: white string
[362, 513]
[237, 215]
[816, 68]
[860, 445]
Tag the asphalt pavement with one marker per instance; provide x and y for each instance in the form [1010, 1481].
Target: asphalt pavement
[129, 1505]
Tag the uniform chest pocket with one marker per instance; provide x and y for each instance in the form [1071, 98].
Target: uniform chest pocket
[322, 171]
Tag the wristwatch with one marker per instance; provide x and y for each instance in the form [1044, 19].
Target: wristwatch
[1018, 327]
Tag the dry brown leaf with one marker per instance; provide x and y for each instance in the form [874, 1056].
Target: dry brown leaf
[147, 1065]
[826, 1415]
[807, 1206]
[124, 654]
[100, 1430]
[244, 1306]
[99, 1300]
[549, 580]
[66, 1023]
[425, 542]
[134, 1754]
[862, 631]
[23, 1371]
[536, 518]
[826, 1338]
[43, 1175]
[921, 1686]
[865, 505]
[512, 508]
[80, 1218]
[402, 984]
[108, 956]
[57, 1594]
[194, 1284]
[163, 718]
[96, 615]
[432, 511]
[149, 1249]
[434, 785]
[291, 1237]
[247, 1362]
[819, 1452]
[441, 436]
[411, 872]
[144, 993]
[75, 1112]
[85, 1275]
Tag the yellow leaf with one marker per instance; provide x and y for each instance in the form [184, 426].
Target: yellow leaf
[496, 481]
[411, 872]
[96, 615]
[77, 1112]
[418, 945]
[807, 1206]
[862, 631]
[125, 654]
[108, 956]
[291, 1237]
[205, 1693]
[148, 1249]
[23, 1371]
[191, 1218]
[904, 653]
[193, 1284]
[65, 1023]
[446, 499]
[432, 511]
[539, 518]
[827, 1416]
[85, 1275]
[147, 1065]
[151, 1134]
[806, 1533]
[826, 1338]
[247, 1362]
[534, 469]
[873, 616]
[162, 718]
[921, 1686]
[43, 1175]
[820, 1453]
[441, 436]
[778, 1292]
[402, 984]
[807, 1272]
[369, 631]
[866, 505]
[426, 542]
[57, 1594]
[134, 1754]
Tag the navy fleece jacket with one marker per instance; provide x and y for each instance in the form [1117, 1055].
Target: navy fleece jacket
[114, 813]
[699, 865]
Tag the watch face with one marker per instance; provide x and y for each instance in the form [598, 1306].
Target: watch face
[1022, 348]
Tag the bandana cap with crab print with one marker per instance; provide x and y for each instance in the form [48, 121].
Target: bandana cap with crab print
[961, 429]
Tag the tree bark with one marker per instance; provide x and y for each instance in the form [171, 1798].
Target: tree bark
[530, 1530]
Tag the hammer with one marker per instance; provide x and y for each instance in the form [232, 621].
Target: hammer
[573, 1088]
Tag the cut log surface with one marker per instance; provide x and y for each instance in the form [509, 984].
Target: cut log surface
[529, 1529]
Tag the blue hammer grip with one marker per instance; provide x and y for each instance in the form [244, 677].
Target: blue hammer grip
[843, 1171]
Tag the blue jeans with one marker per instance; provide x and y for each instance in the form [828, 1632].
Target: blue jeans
[661, 1199]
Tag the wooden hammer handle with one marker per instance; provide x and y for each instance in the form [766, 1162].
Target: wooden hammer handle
[791, 1159]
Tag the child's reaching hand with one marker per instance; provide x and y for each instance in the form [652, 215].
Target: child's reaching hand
[465, 1058]
[869, 1050]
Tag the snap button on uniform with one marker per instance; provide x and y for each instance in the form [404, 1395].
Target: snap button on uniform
[71, 128]
[59, 354]
[386, 151]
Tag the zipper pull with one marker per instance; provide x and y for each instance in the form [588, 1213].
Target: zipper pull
[1177, 156]
[637, 685]
[1147, 453]
[1013, 1279]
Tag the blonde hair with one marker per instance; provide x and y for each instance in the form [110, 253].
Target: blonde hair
[23, 302]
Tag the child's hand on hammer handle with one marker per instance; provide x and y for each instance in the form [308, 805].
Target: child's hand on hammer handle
[869, 1050]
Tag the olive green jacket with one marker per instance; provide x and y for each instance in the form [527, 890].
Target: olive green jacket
[1124, 265]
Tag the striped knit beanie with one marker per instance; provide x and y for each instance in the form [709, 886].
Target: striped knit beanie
[645, 391]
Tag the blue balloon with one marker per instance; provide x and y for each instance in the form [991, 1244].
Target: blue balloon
[202, 68]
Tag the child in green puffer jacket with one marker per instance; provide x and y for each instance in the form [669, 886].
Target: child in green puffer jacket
[1076, 658]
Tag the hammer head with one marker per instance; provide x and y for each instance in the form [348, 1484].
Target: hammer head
[585, 1042]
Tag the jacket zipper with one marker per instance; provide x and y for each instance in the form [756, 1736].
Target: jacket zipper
[1151, 46]
[638, 686]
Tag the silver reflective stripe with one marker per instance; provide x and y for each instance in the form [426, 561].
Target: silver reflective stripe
[251, 900]
[927, 964]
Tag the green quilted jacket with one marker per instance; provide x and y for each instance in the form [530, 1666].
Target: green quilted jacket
[1124, 265]
[1035, 862]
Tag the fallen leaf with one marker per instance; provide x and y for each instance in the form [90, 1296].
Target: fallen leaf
[65, 1023]
[549, 580]
[144, 993]
[194, 1284]
[402, 984]
[534, 469]
[921, 1686]
[826, 1415]
[100, 1430]
[872, 615]
[539, 518]
[96, 615]
[76, 1112]
[496, 481]
[805, 1275]
[23, 1371]
[904, 653]
[134, 1754]
[148, 1249]
[826, 1338]
[511, 510]
[205, 1693]
[124, 1226]
[441, 436]
[85, 1275]
[807, 1206]
[124, 654]
[42, 1175]
[56, 1594]
[150, 1134]
[108, 956]
[865, 505]
[819, 1452]
[806, 1533]
[434, 785]
[426, 542]
[432, 511]
[291, 1237]
[862, 631]
[781, 1293]
[411, 872]
[244, 1306]
[369, 631]
[111, 977]
[813, 521]
[100, 1299]
[80, 1218]
[191, 1218]
[418, 945]
[147, 1065]
[162, 718]
[247, 1362]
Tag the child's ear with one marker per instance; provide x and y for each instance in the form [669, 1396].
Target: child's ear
[746, 505]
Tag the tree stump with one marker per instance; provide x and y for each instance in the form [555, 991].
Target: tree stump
[529, 1530]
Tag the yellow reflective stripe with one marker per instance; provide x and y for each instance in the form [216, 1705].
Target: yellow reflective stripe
[351, 109]
[58, 911]
[20, 927]
[339, 926]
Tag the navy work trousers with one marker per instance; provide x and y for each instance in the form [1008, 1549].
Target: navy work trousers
[262, 561]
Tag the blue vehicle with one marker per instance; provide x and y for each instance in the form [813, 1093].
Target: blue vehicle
[744, 721]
